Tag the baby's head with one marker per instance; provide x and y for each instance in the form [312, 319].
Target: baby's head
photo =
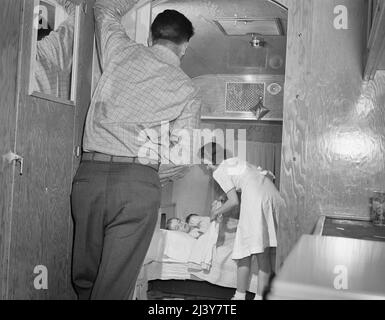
[193, 220]
[176, 224]
[222, 198]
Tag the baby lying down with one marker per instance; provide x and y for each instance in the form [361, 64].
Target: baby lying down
[194, 225]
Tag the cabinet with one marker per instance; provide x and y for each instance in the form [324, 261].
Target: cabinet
[349, 228]
[332, 268]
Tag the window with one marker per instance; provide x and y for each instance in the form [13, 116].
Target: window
[54, 50]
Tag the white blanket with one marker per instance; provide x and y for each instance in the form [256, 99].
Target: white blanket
[170, 246]
[201, 254]
[176, 246]
[171, 250]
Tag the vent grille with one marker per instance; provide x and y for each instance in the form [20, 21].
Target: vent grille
[243, 97]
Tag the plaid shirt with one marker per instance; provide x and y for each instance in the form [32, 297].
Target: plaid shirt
[53, 67]
[140, 87]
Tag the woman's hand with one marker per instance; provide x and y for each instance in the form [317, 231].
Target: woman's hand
[213, 216]
[216, 216]
[218, 208]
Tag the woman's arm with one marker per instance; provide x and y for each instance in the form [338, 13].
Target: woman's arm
[231, 203]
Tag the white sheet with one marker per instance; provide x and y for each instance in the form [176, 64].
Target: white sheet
[170, 246]
[162, 265]
[202, 251]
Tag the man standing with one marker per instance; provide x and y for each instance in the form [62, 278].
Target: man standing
[116, 193]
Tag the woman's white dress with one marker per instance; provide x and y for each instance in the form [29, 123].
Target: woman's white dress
[260, 203]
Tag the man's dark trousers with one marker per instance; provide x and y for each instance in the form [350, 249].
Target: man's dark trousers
[115, 208]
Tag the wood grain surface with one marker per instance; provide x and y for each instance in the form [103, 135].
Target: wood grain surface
[46, 133]
[333, 133]
[10, 16]
[41, 196]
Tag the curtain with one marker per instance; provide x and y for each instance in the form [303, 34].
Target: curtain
[265, 155]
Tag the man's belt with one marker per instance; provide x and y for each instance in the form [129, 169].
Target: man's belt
[97, 156]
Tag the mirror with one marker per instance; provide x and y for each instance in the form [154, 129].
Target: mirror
[54, 48]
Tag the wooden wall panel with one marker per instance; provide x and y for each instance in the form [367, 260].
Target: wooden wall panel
[41, 212]
[10, 15]
[333, 136]
[295, 115]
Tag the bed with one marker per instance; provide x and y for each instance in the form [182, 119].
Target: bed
[169, 273]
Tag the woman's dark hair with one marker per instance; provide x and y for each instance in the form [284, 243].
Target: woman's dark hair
[218, 154]
[173, 26]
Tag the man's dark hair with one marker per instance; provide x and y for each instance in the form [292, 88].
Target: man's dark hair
[218, 154]
[43, 32]
[189, 217]
[173, 26]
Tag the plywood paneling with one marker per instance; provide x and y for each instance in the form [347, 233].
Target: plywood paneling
[333, 136]
[41, 210]
[295, 114]
[10, 15]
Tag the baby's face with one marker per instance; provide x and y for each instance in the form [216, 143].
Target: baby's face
[222, 198]
[178, 225]
[194, 222]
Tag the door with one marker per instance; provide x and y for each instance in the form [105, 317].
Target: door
[36, 224]
[10, 21]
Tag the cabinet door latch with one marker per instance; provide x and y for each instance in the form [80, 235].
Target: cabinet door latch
[12, 157]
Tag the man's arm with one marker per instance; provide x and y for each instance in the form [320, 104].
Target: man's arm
[188, 120]
[110, 32]
[57, 47]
